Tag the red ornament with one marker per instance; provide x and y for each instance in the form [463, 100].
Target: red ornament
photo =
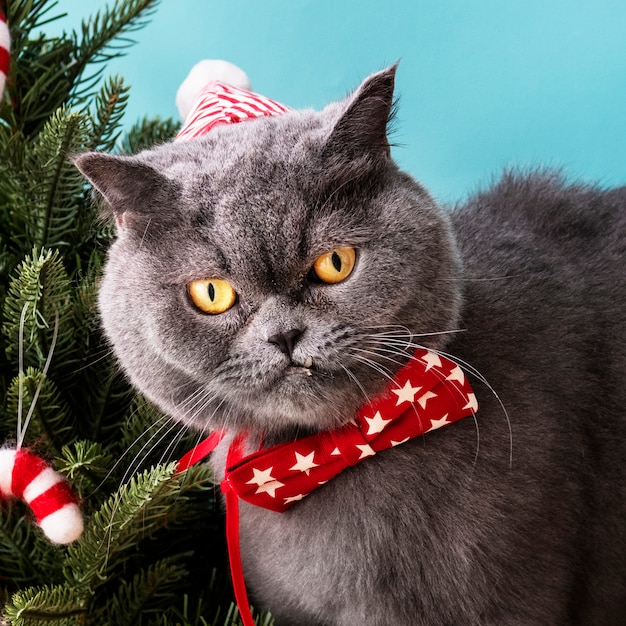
[5, 46]
[26, 476]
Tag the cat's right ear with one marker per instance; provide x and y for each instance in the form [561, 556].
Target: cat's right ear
[131, 189]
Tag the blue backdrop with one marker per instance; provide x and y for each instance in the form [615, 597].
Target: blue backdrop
[483, 84]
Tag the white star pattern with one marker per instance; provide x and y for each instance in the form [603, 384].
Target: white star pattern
[376, 424]
[261, 476]
[434, 424]
[397, 443]
[366, 451]
[282, 475]
[458, 375]
[432, 360]
[407, 393]
[294, 498]
[270, 488]
[472, 403]
[304, 463]
[422, 400]
[265, 481]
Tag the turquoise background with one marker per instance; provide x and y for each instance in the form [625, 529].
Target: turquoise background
[482, 84]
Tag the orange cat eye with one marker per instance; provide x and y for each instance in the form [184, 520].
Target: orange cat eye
[335, 266]
[212, 295]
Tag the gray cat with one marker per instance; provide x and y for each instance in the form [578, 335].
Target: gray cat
[515, 517]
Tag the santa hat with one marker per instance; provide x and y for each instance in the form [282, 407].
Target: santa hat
[218, 92]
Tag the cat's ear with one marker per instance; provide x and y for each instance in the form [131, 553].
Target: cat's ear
[361, 130]
[131, 189]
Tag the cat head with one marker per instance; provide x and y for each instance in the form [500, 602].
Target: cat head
[272, 274]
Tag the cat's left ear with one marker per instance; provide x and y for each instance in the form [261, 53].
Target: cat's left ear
[361, 130]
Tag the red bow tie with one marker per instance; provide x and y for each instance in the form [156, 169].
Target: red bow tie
[429, 392]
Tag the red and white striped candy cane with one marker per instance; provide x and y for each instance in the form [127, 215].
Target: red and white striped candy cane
[25, 475]
[5, 45]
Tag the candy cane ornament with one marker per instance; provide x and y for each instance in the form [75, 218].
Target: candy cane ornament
[26, 476]
[4, 51]
[23, 474]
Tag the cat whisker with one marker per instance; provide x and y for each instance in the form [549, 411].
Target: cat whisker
[472, 370]
[168, 425]
[96, 358]
[398, 346]
[155, 439]
[353, 377]
[407, 332]
[163, 418]
[377, 367]
[393, 344]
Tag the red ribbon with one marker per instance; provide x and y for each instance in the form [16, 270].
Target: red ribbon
[429, 392]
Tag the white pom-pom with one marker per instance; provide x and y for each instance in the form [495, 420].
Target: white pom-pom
[64, 525]
[203, 73]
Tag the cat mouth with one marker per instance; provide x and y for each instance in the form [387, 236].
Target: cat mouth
[305, 369]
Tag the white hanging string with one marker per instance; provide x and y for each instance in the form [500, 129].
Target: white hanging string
[23, 427]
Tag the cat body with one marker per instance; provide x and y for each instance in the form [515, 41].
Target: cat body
[514, 517]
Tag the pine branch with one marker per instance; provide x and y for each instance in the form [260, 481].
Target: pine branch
[137, 510]
[110, 105]
[56, 192]
[47, 72]
[27, 557]
[42, 284]
[26, 15]
[148, 133]
[103, 39]
[86, 465]
[52, 422]
[149, 592]
[57, 604]
[101, 31]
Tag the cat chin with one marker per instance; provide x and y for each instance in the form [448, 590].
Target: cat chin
[288, 406]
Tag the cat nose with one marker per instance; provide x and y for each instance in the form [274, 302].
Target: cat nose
[286, 340]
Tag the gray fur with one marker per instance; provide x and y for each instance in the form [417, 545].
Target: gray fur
[513, 519]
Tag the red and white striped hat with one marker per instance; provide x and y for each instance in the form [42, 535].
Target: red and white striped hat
[5, 46]
[220, 102]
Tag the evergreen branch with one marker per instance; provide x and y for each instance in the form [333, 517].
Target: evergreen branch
[26, 15]
[104, 28]
[56, 193]
[109, 109]
[148, 133]
[136, 511]
[102, 37]
[86, 465]
[151, 590]
[53, 420]
[31, 606]
[41, 77]
[42, 283]
[27, 557]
